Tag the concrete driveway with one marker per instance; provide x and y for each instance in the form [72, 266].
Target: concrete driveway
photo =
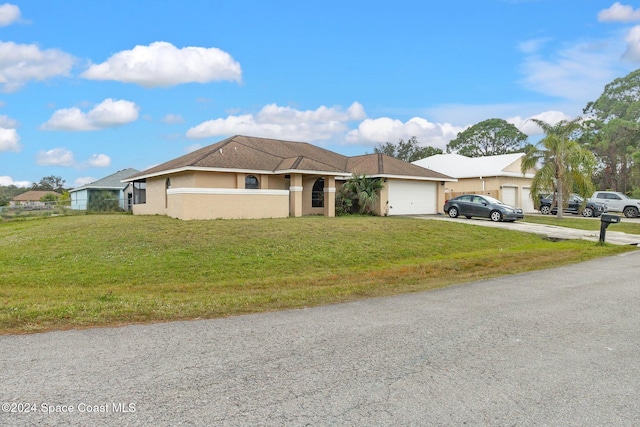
[551, 348]
[551, 231]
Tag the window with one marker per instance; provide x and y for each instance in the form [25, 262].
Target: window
[166, 193]
[139, 192]
[317, 194]
[251, 182]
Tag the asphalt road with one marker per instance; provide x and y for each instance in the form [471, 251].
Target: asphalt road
[553, 348]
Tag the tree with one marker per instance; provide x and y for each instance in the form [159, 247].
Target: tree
[65, 199]
[359, 193]
[408, 151]
[488, 138]
[49, 183]
[564, 165]
[49, 198]
[9, 192]
[613, 133]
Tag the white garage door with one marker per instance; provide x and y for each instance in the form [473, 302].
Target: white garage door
[527, 203]
[412, 197]
[509, 196]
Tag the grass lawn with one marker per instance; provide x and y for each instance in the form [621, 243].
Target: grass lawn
[574, 221]
[97, 270]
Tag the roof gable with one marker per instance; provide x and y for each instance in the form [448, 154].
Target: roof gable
[33, 195]
[383, 165]
[244, 153]
[258, 154]
[112, 181]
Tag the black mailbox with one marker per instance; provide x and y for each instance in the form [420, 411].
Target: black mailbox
[605, 220]
[610, 219]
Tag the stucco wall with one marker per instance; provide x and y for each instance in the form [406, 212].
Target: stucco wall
[491, 185]
[192, 195]
[307, 193]
[382, 207]
[190, 204]
[214, 180]
[209, 195]
[156, 198]
[79, 200]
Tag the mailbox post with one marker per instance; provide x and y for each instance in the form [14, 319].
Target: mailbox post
[605, 220]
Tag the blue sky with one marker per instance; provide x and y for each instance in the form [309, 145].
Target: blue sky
[88, 88]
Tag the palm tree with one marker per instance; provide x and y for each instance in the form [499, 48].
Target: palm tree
[365, 191]
[564, 165]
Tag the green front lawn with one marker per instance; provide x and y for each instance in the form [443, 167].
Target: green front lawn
[97, 270]
[575, 221]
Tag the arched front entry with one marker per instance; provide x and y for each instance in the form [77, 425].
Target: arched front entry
[317, 194]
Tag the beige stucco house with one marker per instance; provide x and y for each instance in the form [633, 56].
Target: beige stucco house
[498, 176]
[250, 177]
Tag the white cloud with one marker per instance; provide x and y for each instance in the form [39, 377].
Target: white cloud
[108, 113]
[383, 129]
[65, 158]
[163, 64]
[79, 182]
[533, 45]
[99, 161]
[21, 63]
[9, 140]
[7, 122]
[633, 45]
[6, 181]
[55, 157]
[530, 128]
[173, 119]
[9, 14]
[283, 122]
[619, 13]
[577, 73]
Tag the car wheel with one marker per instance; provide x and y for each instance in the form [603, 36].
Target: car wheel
[587, 212]
[453, 212]
[630, 212]
[495, 216]
[545, 209]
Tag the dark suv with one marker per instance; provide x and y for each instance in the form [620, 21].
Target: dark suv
[575, 206]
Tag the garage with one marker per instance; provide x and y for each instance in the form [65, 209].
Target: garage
[527, 202]
[409, 197]
[509, 196]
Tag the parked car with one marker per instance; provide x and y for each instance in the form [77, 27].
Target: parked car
[576, 205]
[618, 202]
[471, 205]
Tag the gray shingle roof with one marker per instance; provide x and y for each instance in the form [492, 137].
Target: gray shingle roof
[113, 181]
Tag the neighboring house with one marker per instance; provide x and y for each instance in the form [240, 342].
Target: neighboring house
[122, 192]
[498, 176]
[31, 199]
[249, 177]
